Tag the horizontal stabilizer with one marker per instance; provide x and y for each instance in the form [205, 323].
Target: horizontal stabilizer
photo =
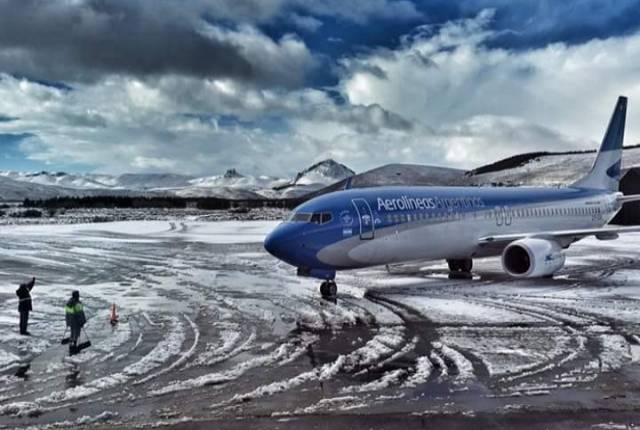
[629, 198]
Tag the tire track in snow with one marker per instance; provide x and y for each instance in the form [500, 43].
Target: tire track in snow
[418, 326]
[183, 357]
[166, 348]
[281, 355]
[560, 320]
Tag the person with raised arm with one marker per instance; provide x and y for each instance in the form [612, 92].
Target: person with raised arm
[24, 305]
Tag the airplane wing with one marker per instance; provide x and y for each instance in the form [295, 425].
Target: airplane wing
[607, 232]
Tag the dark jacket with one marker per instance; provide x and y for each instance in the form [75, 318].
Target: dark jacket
[24, 296]
[74, 314]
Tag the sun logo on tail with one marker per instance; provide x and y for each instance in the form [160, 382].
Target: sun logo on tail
[614, 171]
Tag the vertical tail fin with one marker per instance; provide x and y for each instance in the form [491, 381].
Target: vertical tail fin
[605, 173]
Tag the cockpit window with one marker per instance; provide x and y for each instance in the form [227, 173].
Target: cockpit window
[300, 217]
[314, 218]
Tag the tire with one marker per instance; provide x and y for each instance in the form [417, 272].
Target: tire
[324, 289]
[466, 265]
[460, 265]
[332, 289]
[453, 265]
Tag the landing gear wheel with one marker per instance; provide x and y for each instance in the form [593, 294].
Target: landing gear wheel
[460, 268]
[333, 289]
[324, 289]
[453, 265]
[466, 265]
[328, 289]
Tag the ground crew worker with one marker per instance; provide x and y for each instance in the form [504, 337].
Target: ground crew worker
[24, 305]
[75, 318]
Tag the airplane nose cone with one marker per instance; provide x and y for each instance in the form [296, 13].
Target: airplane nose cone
[273, 243]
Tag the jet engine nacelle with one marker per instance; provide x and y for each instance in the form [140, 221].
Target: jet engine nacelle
[532, 258]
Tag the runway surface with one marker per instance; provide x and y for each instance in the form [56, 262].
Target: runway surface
[214, 331]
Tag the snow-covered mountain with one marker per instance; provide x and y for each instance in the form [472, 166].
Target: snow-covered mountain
[230, 185]
[84, 181]
[234, 180]
[325, 172]
[316, 177]
[542, 169]
[14, 190]
[547, 169]
[81, 181]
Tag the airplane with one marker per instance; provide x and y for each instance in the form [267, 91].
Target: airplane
[528, 226]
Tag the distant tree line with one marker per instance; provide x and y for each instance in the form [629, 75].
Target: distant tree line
[125, 202]
[99, 202]
[29, 213]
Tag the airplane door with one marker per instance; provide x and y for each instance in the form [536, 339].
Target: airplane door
[365, 216]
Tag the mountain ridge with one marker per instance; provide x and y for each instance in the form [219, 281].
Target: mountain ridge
[537, 169]
[230, 185]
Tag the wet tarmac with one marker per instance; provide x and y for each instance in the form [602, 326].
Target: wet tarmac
[215, 333]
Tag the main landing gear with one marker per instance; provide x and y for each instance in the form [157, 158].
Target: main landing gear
[328, 289]
[460, 269]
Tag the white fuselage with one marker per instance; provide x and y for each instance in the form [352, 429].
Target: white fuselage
[453, 233]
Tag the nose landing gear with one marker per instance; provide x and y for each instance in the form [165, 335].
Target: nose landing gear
[460, 269]
[328, 289]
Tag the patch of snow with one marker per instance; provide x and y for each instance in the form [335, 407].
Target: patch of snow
[383, 344]
[389, 378]
[183, 357]
[283, 352]
[615, 352]
[421, 373]
[324, 372]
[463, 365]
[7, 358]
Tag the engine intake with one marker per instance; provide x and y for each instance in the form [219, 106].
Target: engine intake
[532, 258]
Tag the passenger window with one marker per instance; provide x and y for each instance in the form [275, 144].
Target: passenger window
[316, 218]
[326, 217]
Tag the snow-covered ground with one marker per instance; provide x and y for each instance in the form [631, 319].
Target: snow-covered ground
[174, 216]
[550, 170]
[213, 328]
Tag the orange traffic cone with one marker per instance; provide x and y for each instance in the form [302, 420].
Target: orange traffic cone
[114, 316]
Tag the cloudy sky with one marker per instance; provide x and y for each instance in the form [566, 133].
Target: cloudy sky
[271, 86]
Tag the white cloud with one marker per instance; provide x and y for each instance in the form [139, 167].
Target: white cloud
[255, 11]
[442, 97]
[305, 23]
[123, 124]
[558, 97]
[269, 59]
[360, 11]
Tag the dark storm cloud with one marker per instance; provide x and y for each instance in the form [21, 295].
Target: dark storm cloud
[85, 40]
